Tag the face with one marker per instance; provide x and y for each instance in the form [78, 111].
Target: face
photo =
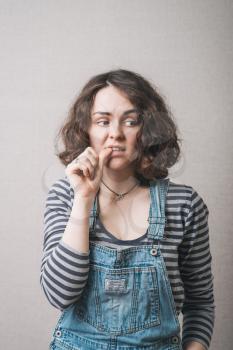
[114, 122]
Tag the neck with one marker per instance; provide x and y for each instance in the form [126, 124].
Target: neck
[119, 182]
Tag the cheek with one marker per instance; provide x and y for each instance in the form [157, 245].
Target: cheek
[131, 135]
[97, 138]
[132, 148]
[132, 140]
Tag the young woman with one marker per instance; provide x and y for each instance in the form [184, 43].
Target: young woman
[125, 248]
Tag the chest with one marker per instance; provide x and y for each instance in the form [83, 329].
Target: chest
[126, 219]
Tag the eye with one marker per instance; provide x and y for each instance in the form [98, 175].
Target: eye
[102, 121]
[132, 122]
[128, 122]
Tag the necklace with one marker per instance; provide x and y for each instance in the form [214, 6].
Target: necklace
[120, 195]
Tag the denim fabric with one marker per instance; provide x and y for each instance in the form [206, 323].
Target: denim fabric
[127, 302]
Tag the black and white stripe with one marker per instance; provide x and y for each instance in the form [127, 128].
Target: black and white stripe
[186, 251]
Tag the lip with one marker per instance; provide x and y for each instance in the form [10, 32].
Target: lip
[116, 146]
[116, 154]
[119, 153]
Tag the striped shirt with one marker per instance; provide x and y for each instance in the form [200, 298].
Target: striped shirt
[185, 247]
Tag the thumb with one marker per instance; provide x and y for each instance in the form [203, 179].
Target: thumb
[104, 155]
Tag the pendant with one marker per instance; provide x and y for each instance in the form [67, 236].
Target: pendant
[119, 197]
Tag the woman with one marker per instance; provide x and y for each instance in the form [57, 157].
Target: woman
[125, 249]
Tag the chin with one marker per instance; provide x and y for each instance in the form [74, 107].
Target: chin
[117, 164]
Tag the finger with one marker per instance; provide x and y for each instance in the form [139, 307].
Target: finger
[90, 155]
[83, 167]
[89, 166]
[93, 156]
[104, 156]
[76, 168]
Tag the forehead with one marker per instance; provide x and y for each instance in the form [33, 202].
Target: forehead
[111, 99]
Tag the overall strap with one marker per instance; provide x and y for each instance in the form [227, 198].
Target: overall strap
[157, 219]
[93, 214]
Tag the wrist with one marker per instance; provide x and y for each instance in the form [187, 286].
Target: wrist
[84, 201]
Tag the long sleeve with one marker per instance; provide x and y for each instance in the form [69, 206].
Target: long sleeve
[195, 266]
[64, 271]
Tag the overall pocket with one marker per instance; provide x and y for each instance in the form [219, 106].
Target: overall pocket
[120, 301]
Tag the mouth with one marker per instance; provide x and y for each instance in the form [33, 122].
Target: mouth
[117, 152]
[116, 149]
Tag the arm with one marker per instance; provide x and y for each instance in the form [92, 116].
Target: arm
[195, 266]
[65, 262]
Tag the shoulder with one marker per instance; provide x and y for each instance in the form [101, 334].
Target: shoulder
[183, 190]
[61, 190]
[179, 189]
[194, 200]
[61, 184]
[176, 191]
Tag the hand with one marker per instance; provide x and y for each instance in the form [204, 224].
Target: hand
[194, 346]
[85, 172]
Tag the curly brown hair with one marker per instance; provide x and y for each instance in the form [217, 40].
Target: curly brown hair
[157, 141]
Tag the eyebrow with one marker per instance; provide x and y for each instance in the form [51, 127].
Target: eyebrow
[125, 113]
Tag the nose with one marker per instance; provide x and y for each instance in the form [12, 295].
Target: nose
[115, 129]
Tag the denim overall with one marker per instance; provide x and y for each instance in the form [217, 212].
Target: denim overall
[127, 303]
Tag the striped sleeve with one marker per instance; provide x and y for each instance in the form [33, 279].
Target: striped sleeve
[64, 271]
[195, 266]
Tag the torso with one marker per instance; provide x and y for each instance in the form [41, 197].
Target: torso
[126, 219]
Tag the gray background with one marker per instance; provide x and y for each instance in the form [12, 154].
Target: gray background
[48, 51]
